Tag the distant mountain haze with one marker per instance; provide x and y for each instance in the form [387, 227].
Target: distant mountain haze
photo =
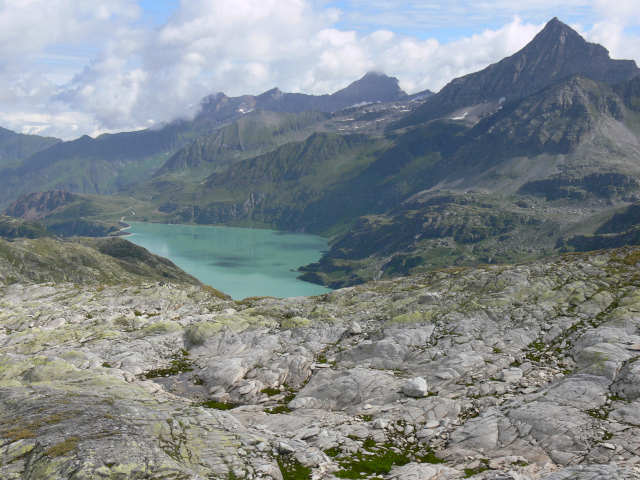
[373, 87]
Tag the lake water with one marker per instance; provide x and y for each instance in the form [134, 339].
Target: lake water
[241, 262]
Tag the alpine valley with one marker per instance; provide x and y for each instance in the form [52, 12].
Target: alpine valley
[483, 247]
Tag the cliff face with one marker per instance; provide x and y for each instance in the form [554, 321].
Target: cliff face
[523, 372]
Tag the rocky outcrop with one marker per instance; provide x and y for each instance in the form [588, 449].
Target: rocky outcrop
[504, 372]
[36, 206]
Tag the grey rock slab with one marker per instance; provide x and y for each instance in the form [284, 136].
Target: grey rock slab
[330, 389]
[628, 413]
[285, 449]
[603, 359]
[88, 346]
[627, 384]
[511, 375]
[581, 391]
[593, 472]
[478, 433]
[414, 471]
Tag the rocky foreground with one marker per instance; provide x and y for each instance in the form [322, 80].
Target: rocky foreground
[503, 372]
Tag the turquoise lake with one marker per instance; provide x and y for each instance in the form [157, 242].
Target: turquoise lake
[241, 262]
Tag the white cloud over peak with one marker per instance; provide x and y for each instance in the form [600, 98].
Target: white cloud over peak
[69, 67]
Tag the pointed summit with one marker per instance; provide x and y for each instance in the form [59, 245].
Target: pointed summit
[561, 51]
[557, 51]
[374, 86]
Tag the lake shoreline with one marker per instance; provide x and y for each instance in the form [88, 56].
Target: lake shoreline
[123, 226]
[242, 262]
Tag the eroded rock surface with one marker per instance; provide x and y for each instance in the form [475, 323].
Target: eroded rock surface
[503, 372]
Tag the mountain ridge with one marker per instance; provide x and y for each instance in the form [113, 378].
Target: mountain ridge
[372, 87]
[16, 146]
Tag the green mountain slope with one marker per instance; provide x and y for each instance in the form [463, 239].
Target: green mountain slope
[251, 135]
[517, 185]
[100, 165]
[11, 228]
[68, 214]
[31, 254]
[84, 261]
[294, 187]
[16, 146]
[108, 163]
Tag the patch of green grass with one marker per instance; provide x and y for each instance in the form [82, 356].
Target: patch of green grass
[615, 398]
[368, 443]
[18, 433]
[333, 451]
[598, 413]
[270, 391]
[469, 472]
[278, 409]
[362, 466]
[283, 408]
[179, 364]
[63, 447]
[430, 457]
[292, 469]
[216, 405]
[377, 459]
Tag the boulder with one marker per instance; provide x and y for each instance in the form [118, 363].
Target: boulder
[417, 387]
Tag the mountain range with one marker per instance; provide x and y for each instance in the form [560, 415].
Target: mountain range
[373, 87]
[534, 155]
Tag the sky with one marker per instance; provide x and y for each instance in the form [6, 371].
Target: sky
[71, 67]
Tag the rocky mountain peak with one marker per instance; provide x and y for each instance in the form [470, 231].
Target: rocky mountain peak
[556, 52]
[560, 50]
[274, 93]
[373, 85]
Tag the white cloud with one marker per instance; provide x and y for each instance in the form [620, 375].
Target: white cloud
[90, 67]
[430, 64]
